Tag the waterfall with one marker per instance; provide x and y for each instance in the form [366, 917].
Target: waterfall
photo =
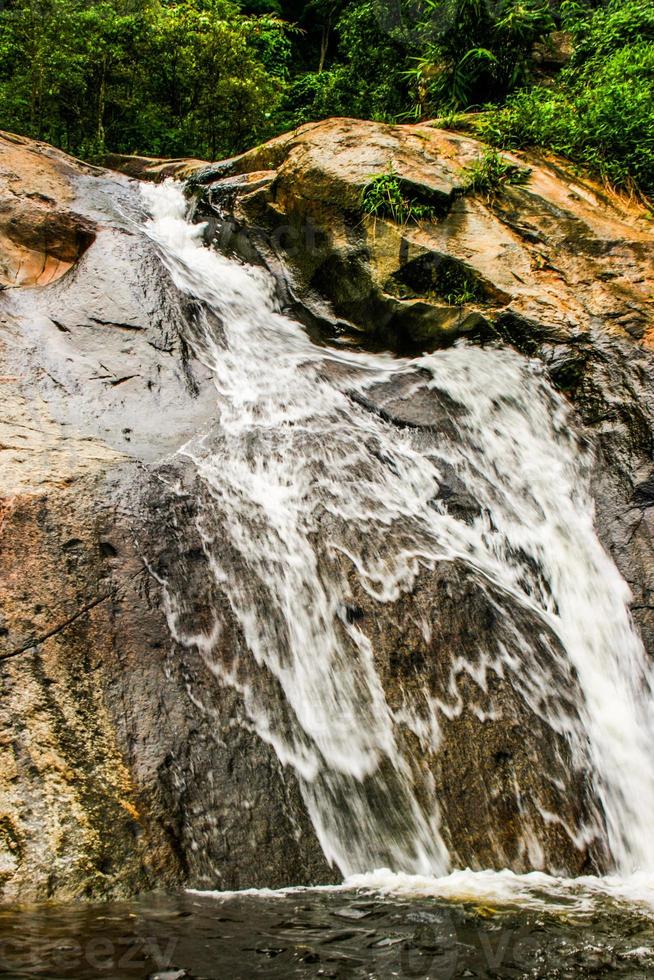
[305, 486]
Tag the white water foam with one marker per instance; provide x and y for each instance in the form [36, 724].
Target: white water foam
[505, 889]
[295, 450]
[501, 891]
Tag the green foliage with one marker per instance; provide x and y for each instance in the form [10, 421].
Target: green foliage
[476, 51]
[492, 172]
[456, 286]
[600, 113]
[461, 297]
[371, 85]
[366, 77]
[140, 75]
[452, 120]
[212, 77]
[384, 197]
[600, 33]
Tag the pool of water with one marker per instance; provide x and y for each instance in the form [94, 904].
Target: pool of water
[353, 933]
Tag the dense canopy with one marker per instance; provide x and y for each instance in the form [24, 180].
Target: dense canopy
[210, 78]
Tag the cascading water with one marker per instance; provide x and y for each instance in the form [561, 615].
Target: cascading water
[303, 482]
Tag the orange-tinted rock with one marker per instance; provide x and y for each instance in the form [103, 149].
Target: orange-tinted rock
[41, 236]
[560, 251]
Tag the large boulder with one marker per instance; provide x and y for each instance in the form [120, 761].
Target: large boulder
[126, 762]
[560, 267]
[548, 260]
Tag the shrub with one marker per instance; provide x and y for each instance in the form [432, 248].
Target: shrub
[476, 51]
[600, 113]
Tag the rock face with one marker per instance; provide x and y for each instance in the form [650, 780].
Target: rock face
[124, 764]
[41, 238]
[557, 251]
[112, 778]
[559, 268]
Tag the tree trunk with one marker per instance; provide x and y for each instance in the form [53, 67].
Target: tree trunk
[102, 94]
[324, 43]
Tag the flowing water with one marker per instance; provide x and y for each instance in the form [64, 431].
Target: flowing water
[308, 491]
[482, 926]
[297, 450]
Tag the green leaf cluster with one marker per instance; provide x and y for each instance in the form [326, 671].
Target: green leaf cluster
[600, 112]
[151, 76]
[384, 196]
[491, 173]
[476, 51]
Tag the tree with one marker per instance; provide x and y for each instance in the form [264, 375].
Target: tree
[140, 75]
[477, 51]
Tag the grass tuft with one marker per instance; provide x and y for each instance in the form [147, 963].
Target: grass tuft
[491, 173]
[384, 197]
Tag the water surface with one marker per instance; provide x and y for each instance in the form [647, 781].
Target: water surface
[500, 926]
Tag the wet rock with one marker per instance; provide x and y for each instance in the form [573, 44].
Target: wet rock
[41, 235]
[124, 762]
[152, 168]
[114, 776]
[445, 642]
[557, 268]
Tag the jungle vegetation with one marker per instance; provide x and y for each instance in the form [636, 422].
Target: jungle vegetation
[210, 78]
